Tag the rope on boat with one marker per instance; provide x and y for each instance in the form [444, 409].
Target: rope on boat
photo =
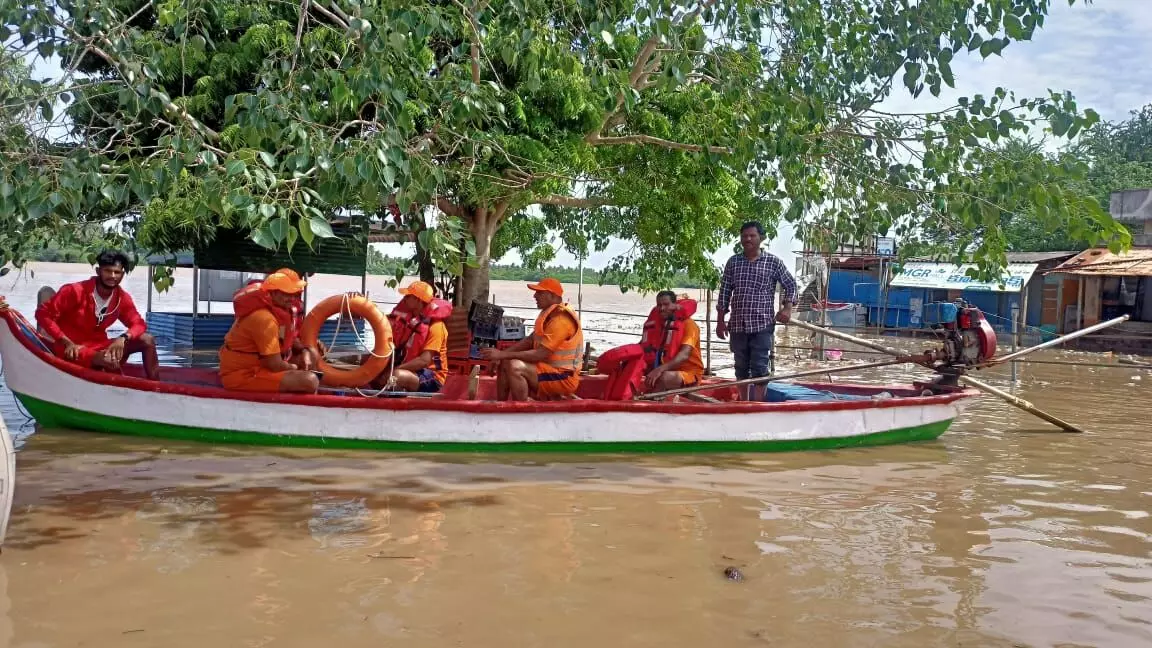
[346, 307]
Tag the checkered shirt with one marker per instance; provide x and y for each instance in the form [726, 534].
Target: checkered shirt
[748, 291]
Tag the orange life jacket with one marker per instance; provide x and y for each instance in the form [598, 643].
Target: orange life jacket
[570, 354]
[250, 299]
[662, 337]
[410, 331]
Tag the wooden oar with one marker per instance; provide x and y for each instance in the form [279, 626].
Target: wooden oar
[982, 386]
[766, 379]
[1134, 364]
[1059, 340]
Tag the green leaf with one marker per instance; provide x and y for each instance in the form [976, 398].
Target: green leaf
[320, 227]
[269, 159]
[607, 37]
[278, 228]
[911, 75]
[262, 236]
[290, 238]
[236, 167]
[1013, 27]
[305, 230]
[267, 210]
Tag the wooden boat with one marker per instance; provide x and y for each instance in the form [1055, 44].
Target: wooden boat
[188, 403]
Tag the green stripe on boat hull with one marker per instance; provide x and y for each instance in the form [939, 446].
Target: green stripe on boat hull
[52, 415]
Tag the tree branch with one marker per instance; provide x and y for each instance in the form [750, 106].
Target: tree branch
[329, 15]
[646, 63]
[474, 50]
[304, 5]
[569, 201]
[446, 206]
[596, 140]
[164, 99]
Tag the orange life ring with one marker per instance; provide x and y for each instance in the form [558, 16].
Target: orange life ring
[361, 306]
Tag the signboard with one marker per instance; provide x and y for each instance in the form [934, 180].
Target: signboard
[885, 246]
[946, 276]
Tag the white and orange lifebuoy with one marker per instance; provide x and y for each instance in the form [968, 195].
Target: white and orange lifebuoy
[360, 306]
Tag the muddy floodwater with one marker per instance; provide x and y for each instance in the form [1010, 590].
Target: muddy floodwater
[1002, 533]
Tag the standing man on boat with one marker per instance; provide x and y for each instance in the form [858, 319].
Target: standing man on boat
[748, 294]
[75, 320]
[421, 340]
[671, 342]
[546, 365]
[260, 352]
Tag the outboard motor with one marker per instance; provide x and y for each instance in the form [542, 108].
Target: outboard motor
[969, 341]
[968, 337]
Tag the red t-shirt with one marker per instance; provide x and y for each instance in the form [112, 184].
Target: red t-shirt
[71, 313]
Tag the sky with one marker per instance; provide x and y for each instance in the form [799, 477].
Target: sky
[1084, 48]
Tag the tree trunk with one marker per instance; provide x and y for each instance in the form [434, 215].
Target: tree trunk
[474, 285]
[427, 271]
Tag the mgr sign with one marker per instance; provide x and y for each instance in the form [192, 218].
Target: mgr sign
[942, 276]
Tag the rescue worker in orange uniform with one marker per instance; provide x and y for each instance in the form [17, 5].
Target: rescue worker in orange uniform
[260, 352]
[421, 340]
[546, 365]
[671, 344]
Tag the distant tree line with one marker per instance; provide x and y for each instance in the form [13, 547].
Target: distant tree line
[381, 264]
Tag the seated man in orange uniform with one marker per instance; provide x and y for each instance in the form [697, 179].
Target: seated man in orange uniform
[75, 320]
[547, 364]
[671, 345]
[421, 340]
[257, 355]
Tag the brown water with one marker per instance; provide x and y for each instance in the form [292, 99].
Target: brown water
[999, 534]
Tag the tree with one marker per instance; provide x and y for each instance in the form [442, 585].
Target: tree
[658, 122]
[1025, 222]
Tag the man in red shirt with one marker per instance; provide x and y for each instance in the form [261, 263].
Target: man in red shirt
[76, 319]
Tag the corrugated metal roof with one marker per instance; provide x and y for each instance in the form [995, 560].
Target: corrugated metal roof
[1136, 262]
[1039, 257]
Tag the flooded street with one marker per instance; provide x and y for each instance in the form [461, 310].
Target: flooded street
[1003, 533]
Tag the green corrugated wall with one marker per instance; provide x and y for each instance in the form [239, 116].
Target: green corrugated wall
[344, 255]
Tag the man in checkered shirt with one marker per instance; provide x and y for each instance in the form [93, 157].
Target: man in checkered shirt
[748, 292]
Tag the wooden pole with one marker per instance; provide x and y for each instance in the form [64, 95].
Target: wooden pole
[708, 332]
[765, 379]
[1080, 304]
[195, 291]
[1024, 314]
[1055, 341]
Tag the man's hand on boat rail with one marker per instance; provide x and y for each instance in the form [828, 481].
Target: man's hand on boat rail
[115, 353]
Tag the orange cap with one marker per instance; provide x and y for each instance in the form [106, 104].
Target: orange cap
[420, 290]
[284, 280]
[548, 284]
